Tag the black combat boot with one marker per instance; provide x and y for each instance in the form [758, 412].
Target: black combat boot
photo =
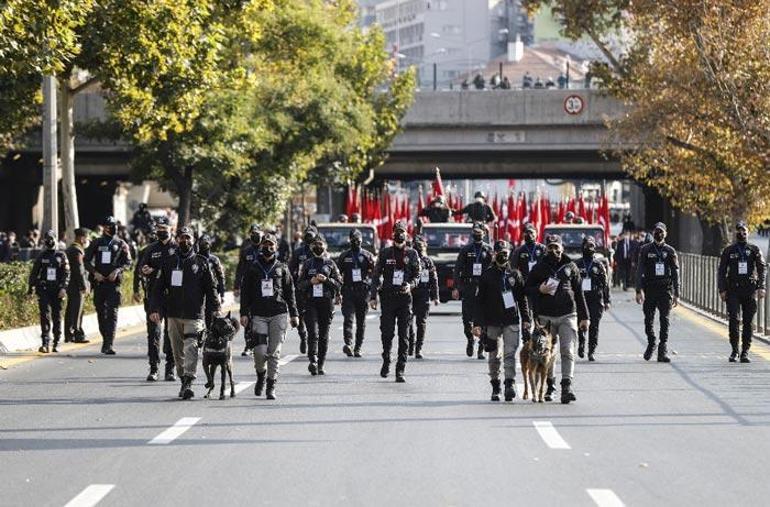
[400, 367]
[550, 389]
[321, 370]
[581, 348]
[312, 367]
[495, 390]
[153, 376]
[270, 391]
[418, 350]
[566, 391]
[385, 370]
[480, 351]
[260, 383]
[302, 345]
[650, 349]
[734, 354]
[510, 389]
[469, 348]
[187, 392]
[662, 353]
[357, 351]
[745, 356]
[591, 350]
[55, 344]
[410, 351]
[170, 377]
[347, 350]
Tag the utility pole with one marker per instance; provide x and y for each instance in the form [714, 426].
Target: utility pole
[50, 165]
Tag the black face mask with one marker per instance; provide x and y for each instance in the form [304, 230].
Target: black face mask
[554, 254]
[501, 259]
[163, 235]
[108, 230]
[399, 240]
[741, 236]
[529, 239]
[204, 248]
[589, 252]
[256, 238]
[355, 243]
[50, 244]
[185, 248]
[318, 251]
[659, 236]
[308, 238]
[477, 238]
[267, 252]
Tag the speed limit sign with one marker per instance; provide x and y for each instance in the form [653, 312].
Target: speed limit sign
[574, 104]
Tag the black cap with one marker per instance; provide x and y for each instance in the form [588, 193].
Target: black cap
[355, 234]
[589, 240]
[741, 225]
[255, 228]
[478, 226]
[502, 245]
[399, 226]
[269, 238]
[109, 221]
[661, 226]
[81, 231]
[185, 231]
[478, 194]
[49, 234]
[162, 220]
[553, 239]
[530, 227]
[205, 238]
[319, 238]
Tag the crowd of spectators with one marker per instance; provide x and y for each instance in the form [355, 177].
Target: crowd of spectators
[501, 82]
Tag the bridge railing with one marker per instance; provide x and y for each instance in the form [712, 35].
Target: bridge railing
[699, 289]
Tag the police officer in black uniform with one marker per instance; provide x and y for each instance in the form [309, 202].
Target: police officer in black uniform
[395, 277]
[527, 255]
[473, 259]
[741, 278]
[319, 284]
[596, 289]
[356, 265]
[479, 210]
[151, 259]
[204, 250]
[437, 212]
[298, 258]
[247, 254]
[49, 278]
[422, 296]
[106, 259]
[657, 288]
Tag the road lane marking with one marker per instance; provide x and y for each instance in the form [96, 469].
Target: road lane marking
[287, 359]
[174, 432]
[549, 435]
[605, 498]
[90, 496]
[242, 386]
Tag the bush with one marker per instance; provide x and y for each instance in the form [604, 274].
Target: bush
[229, 263]
[19, 310]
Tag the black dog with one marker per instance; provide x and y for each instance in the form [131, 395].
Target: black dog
[217, 352]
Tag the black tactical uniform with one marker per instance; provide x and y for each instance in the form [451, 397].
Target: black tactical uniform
[154, 256]
[473, 259]
[76, 292]
[298, 258]
[425, 292]
[479, 210]
[356, 266]
[437, 214]
[49, 278]
[319, 303]
[204, 250]
[658, 276]
[395, 277]
[246, 255]
[526, 257]
[596, 290]
[106, 255]
[741, 274]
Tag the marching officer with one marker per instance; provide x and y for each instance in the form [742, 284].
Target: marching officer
[301, 254]
[77, 289]
[184, 283]
[246, 255]
[596, 289]
[501, 307]
[319, 284]
[395, 276]
[473, 259]
[106, 258]
[526, 257]
[49, 278]
[267, 302]
[425, 293]
[151, 260]
[561, 306]
[356, 265]
[741, 278]
[657, 288]
[204, 250]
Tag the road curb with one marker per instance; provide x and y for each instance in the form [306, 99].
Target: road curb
[713, 318]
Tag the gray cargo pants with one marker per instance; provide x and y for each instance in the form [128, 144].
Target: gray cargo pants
[184, 335]
[507, 342]
[269, 334]
[564, 328]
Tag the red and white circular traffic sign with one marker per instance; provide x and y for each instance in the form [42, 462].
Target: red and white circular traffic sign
[574, 104]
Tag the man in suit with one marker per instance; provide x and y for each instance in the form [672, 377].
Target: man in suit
[626, 252]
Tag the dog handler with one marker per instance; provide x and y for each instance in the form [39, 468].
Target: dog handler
[501, 305]
[184, 282]
[556, 287]
[267, 301]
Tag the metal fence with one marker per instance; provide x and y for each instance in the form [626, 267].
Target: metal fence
[698, 274]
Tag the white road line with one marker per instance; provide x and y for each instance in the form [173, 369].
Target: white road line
[174, 432]
[605, 498]
[287, 359]
[242, 386]
[90, 496]
[549, 435]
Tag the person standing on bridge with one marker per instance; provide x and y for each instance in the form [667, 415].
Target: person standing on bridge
[501, 307]
[105, 260]
[473, 259]
[741, 279]
[438, 212]
[396, 275]
[425, 293]
[48, 279]
[561, 306]
[596, 289]
[479, 210]
[357, 266]
[657, 288]
[183, 284]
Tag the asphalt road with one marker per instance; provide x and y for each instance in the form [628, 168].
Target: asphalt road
[695, 432]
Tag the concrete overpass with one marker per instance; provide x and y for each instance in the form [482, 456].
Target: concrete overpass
[505, 133]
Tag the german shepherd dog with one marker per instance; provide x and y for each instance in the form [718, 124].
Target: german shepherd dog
[537, 360]
[217, 352]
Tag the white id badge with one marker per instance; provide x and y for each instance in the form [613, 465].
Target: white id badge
[743, 268]
[356, 273]
[660, 269]
[587, 284]
[508, 299]
[476, 269]
[50, 274]
[267, 288]
[106, 257]
[318, 290]
[424, 276]
[398, 277]
[552, 285]
[176, 278]
[531, 265]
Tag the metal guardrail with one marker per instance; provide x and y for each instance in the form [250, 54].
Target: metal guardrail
[699, 288]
